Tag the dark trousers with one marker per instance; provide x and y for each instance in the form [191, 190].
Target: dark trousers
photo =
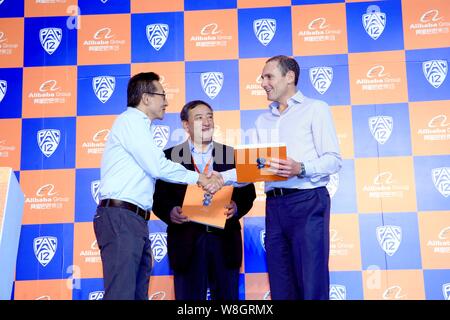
[207, 269]
[297, 245]
[125, 250]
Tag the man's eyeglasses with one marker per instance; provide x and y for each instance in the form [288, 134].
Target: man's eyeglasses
[158, 94]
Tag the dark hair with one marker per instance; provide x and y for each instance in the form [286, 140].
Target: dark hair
[184, 114]
[139, 84]
[286, 64]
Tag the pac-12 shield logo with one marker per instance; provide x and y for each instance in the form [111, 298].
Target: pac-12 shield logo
[441, 180]
[338, 292]
[446, 291]
[381, 128]
[50, 39]
[48, 141]
[44, 249]
[96, 295]
[389, 237]
[95, 188]
[321, 78]
[159, 245]
[212, 83]
[435, 71]
[333, 184]
[264, 30]
[161, 135]
[3, 88]
[157, 34]
[262, 238]
[374, 21]
[103, 87]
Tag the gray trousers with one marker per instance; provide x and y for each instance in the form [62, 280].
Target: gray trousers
[125, 249]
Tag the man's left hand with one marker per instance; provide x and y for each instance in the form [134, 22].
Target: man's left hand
[284, 168]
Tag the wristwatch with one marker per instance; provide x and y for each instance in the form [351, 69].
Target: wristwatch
[302, 171]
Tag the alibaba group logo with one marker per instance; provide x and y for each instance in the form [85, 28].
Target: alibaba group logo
[444, 234]
[2, 37]
[334, 235]
[94, 245]
[49, 85]
[103, 33]
[211, 28]
[159, 295]
[430, 16]
[377, 72]
[383, 178]
[101, 135]
[319, 23]
[438, 121]
[46, 190]
[393, 293]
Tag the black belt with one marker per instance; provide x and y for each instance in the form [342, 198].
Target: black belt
[145, 214]
[279, 192]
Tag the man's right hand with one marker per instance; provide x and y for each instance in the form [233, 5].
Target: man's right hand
[212, 182]
[176, 216]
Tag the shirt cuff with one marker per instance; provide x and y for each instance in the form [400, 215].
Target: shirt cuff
[229, 176]
[192, 177]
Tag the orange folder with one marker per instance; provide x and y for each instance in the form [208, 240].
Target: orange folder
[253, 160]
[212, 214]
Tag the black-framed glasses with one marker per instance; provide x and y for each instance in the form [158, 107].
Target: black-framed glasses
[158, 94]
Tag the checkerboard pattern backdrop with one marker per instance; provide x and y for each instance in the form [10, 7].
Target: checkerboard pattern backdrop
[382, 66]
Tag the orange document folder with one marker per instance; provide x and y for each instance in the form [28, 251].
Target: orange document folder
[253, 160]
[210, 212]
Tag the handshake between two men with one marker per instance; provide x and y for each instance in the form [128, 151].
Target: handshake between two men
[210, 182]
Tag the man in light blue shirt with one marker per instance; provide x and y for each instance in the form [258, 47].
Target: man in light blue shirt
[130, 165]
[297, 209]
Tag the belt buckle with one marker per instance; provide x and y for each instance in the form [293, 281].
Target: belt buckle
[209, 229]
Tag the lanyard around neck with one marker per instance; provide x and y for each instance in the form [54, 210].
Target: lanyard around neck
[206, 167]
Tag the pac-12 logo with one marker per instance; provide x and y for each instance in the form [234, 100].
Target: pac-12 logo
[338, 292]
[96, 295]
[333, 184]
[321, 78]
[441, 180]
[3, 88]
[389, 237]
[103, 87]
[262, 238]
[44, 249]
[48, 141]
[435, 71]
[381, 128]
[212, 83]
[264, 30]
[95, 188]
[159, 245]
[374, 21]
[446, 291]
[157, 34]
[50, 39]
[161, 135]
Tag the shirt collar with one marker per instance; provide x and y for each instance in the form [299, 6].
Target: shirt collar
[137, 112]
[298, 97]
[194, 150]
